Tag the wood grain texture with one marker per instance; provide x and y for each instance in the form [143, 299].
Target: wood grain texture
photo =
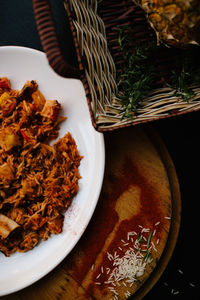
[140, 188]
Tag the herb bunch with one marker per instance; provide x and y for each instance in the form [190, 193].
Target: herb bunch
[137, 75]
[187, 75]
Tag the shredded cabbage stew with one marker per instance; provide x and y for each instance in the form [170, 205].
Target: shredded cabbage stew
[37, 181]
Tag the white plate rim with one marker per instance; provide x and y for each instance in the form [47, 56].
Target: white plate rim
[100, 143]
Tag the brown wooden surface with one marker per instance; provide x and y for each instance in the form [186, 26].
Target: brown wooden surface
[140, 188]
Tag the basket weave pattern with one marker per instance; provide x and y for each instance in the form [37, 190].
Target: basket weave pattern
[96, 39]
[94, 23]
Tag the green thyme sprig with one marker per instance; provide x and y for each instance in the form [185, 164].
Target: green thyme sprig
[149, 239]
[188, 75]
[138, 75]
[140, 238]
[147, 254]
[181, 88]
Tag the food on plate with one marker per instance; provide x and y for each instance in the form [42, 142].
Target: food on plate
[7, 225]
[37, 181]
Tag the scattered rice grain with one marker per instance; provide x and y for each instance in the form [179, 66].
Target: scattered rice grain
[192, 284]
[157, 223]
[108, 270]
[126, 244]
[98, 276]
[176, 293]
[154, 247]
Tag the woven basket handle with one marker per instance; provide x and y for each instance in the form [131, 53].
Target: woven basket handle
[49, 40]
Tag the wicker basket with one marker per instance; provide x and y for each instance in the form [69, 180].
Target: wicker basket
[93, 25]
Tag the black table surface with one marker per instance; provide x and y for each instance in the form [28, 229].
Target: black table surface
[180, 279]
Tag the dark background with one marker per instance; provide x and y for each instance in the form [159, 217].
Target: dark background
[180, 135]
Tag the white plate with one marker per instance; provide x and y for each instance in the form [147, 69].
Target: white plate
[21, 64]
